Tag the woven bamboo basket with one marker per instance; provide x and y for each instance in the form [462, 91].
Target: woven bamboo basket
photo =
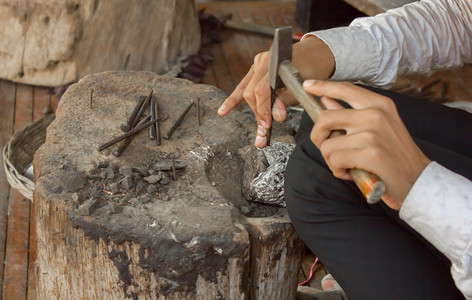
[18, 154]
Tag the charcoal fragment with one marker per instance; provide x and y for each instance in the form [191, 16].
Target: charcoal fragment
[144, 198]
[125, 171]
[103, 164]
[166, 165]
[140, 186]
[87, 208]
[153, 178]
[244, 210]
[94, 171]
[114, 208]
[152, 189]
[114, 187]
[110, 172]
[127, 183]
[165, 180]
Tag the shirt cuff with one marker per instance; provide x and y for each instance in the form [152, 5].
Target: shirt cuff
[354, 53]
[439, 207]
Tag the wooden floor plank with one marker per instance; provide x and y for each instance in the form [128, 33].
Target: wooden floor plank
[24, 106]
[220, 68]
[224, 80]
[260, 18]
[32, 255]
[41, 102]
[16, 257]
[54, 102]
[245, 53]
[209, 76]
[7, 109]
[255, 40]
[16, 252]
[232, 58]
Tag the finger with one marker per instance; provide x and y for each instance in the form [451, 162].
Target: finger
[262, 130]
[356, 96]
[258, 78]
[284, 99]
[287, 98]
[330, 103]
[352, 121]
[237, 95]
[365, 140]
[363, 159]
[261, 141]
[262, 93]
[329, 120]
[319, 134]
[279, 111]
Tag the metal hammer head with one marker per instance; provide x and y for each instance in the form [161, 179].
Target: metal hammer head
[281, 50]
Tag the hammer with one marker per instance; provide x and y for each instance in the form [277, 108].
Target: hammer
[283, 73]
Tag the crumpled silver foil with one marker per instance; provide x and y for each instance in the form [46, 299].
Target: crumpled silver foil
[268, 186]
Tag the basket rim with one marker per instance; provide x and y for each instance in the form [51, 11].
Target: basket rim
[16, 180]
[14, 177]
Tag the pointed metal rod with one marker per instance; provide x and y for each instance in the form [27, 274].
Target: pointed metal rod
[128, 134]
[137, 112]
[198, 111]
[129, 139]
[158, 132]
[178, 122]
[152, 129]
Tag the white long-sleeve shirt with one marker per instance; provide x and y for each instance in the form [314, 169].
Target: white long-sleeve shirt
[418, 38]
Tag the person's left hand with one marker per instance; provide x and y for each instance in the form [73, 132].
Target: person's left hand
[376, 139]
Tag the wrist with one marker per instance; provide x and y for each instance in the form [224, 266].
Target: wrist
[313, 58]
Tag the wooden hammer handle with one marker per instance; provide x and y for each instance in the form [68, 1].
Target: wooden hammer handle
[371, 186]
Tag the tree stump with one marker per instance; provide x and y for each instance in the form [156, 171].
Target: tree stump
[52, 43]
[122, 228]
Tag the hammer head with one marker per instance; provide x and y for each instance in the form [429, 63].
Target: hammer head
[281, 50]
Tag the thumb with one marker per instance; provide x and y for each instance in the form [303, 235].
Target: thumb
[330, 103]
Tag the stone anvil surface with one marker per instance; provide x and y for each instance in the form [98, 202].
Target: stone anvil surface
[120, 227]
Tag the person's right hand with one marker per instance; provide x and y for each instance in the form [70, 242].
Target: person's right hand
[312, 58]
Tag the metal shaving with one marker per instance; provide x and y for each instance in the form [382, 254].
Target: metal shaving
[268, 186]
[202, 153]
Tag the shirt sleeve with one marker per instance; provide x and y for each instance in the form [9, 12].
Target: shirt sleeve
[439, 207]
[417, 38]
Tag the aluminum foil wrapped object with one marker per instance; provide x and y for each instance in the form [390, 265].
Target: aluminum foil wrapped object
[268, 186]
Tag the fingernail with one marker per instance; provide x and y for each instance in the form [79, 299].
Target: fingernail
[264, 124]
[261, 131]
[260, 141]
[222, 108]
[309, 82]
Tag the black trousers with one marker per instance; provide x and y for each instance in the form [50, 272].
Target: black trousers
[370, 251]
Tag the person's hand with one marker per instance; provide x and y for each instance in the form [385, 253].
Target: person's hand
[313, 59]
[376, 139]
